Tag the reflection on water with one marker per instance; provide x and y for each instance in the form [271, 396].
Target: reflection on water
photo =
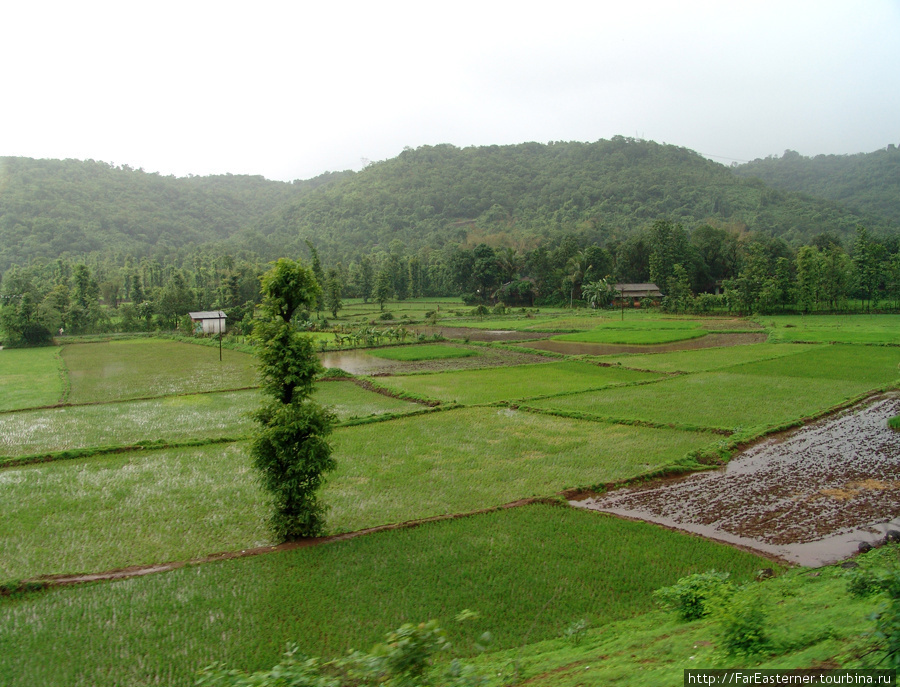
[708, 341]
[357, 362]
[810, 496]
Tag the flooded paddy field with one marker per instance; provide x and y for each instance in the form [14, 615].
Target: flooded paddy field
[713, 340]
[476, 334]
[361, 362]
[809, 496]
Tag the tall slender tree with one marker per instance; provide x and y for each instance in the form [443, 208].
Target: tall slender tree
[290, 448]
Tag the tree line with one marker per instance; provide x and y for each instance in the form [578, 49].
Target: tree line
[703, 269]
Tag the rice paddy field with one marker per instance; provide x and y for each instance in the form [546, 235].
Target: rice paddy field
[30, 378]
[529, 569]
[107, 496]
[516, 382]
[865, 329]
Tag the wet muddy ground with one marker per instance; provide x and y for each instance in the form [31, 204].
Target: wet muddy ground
[708, 341]
[475, 334]
[809, 496]
[359, 362]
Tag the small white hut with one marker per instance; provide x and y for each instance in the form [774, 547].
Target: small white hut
[208, 321]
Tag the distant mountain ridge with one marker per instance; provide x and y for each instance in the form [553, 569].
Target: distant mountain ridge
[49, 208]
[521, 195]
[864, 182]
[515, 195]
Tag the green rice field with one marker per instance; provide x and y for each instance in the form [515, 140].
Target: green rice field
[864, 329]
[145, 368]
[703, 360]
[30, 378]
[464, 459]
[645, 331]
[514, 382]
[499, 435]
[134, 508]
[198, 416]
[531, 570]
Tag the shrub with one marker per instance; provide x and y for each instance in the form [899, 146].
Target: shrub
[743, 625]
[694, 596]
[386, 316]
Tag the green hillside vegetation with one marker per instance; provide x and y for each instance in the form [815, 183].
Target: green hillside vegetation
[524, 194]
[865, 182]
[50, 208]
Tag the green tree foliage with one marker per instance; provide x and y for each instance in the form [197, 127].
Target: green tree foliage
[696, 596]
[19, 320]
[333, 289]
[290, 448]
[599, 293]
[867, 181]
[383, 287]
[868, 258]
[405, 659]
[175, 300]
[366, 278]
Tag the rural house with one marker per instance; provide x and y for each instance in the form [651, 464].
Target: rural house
[635, 292]
[208, 321]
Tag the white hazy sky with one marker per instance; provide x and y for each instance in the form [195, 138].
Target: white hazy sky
[293, 89]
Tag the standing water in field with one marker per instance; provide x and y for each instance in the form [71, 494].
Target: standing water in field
[810, 496]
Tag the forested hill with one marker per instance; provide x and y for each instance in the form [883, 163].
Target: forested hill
[866, 182]
[49, 208]
[520, 195]
[517, 196]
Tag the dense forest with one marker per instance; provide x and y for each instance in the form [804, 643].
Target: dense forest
[865, 182]
[520, 196]
[88, 247]
[53, 208]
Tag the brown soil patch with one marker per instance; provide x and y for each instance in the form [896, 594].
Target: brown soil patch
[810, 495]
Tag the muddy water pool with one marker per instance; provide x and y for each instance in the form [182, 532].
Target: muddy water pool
[809, 496]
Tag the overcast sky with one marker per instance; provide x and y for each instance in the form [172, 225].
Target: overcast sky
[293, 89]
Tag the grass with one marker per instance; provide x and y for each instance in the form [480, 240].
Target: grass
[142, 368]
[426, 352]
[198, 416]
[170, 419]
[703, 360]
[632, 336]
[29, 377]
[811, 618]
[118, 510]
[870, 366]
[865, 329]
[514, 382]
[746, 397]
[470, 458]
[638, 332]
[529, 572]
[713, 400]
[350, 401]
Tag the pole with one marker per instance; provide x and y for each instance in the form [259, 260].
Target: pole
[220, 339]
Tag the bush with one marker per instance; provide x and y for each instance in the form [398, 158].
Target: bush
[696, 595]
[386, 316]
[743, 625]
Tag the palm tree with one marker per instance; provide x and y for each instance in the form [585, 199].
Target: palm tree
[577, 266]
